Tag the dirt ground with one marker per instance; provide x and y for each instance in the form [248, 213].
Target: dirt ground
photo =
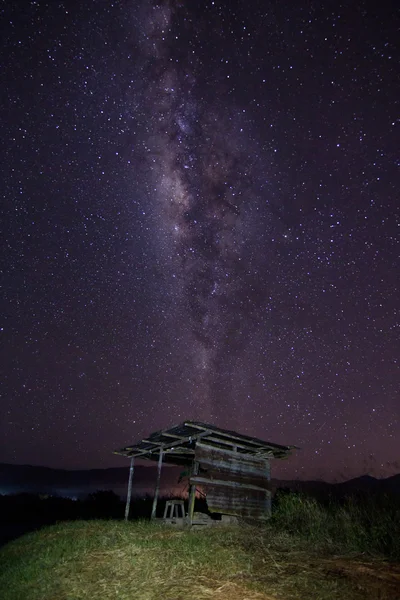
[376, 579]
[329, 577]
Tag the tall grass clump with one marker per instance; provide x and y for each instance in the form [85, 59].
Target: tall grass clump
[369, 524]
[377, 517]
[299, 515]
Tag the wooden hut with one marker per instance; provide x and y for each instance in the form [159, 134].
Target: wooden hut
[232, 469]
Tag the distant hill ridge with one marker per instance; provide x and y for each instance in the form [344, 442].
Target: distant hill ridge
[37, 479]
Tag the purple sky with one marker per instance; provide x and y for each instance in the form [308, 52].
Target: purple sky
[199, 222]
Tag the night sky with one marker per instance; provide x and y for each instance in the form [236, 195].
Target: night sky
[199, 222]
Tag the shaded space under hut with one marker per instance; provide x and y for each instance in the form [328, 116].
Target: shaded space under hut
[232, 470]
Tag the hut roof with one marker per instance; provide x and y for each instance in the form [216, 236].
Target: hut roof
[178, 443]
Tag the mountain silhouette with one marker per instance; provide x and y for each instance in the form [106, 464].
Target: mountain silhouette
[63, 482]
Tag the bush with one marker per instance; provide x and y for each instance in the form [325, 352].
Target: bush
[299, 515]
[370, 524]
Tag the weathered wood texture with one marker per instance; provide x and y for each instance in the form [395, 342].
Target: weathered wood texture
[234, 483]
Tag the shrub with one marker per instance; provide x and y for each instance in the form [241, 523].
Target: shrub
[370, 524]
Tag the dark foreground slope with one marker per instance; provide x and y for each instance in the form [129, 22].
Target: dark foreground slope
[305, 551]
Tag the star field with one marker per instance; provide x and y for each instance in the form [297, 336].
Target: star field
[200, 221]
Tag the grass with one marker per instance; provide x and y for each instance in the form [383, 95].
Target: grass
[112, 559]
[305, 552]
[369, 525]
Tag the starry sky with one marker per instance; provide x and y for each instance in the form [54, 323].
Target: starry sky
[198, 221]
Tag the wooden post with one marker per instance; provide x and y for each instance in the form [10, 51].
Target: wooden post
[128, 497]
[157, 490]
[192, 495]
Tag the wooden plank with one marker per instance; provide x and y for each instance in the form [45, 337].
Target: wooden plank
[228, 459]
[228, 465]
[232, 444]
[141, 451]
[172, 435]
[144, 441]
[234, 483]
[247, 479]
[204, 450]
[255, 466]
[242, 503]
[243, 439]
[225, 467]
[226, 483]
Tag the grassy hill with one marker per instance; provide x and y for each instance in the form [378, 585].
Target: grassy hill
[305, 552]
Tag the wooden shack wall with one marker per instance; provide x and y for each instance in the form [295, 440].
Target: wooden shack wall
[234, 483]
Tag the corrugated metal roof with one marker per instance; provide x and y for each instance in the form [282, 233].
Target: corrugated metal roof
[178, 443]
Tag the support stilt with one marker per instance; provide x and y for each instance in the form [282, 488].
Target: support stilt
[157, 490]
[192, 495]
[128, 497]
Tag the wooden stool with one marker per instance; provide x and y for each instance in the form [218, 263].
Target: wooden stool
[172, 507]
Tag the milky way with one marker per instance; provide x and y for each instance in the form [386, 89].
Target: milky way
[203, 175]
